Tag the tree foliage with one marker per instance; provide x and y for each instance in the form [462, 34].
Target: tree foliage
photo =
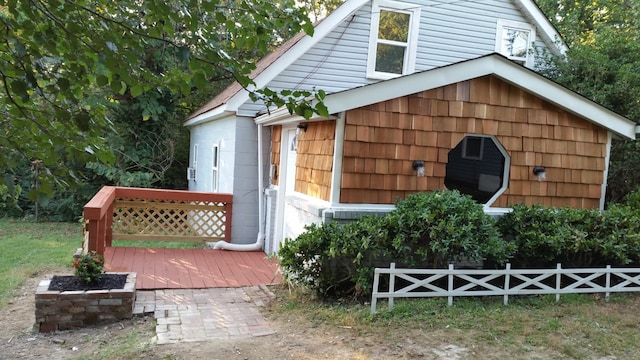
[318, 9]
[602, 64]
[63, 62]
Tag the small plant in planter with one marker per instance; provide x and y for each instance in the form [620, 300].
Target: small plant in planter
[88, 267]
[88, 297]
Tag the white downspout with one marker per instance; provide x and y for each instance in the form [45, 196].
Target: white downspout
[257, 246]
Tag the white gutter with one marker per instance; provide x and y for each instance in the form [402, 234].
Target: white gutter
[215, 114]
[277, 117]
[258, 245]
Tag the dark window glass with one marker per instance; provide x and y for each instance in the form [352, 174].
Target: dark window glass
[476, 167]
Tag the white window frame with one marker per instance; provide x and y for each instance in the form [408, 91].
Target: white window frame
[505, 170]
[215, 163]
[528, 59]
[409, 62]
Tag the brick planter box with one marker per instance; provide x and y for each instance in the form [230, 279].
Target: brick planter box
[64, 310]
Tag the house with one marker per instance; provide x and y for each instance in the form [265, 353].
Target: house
[424, 95]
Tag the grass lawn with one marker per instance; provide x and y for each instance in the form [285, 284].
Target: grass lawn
[28, 249]
[532, 327]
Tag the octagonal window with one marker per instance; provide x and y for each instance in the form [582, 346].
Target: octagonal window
[478, 166]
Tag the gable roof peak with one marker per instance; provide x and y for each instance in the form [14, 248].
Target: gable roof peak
[234, 96]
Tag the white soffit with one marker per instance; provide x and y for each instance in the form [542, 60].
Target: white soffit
[487, 65]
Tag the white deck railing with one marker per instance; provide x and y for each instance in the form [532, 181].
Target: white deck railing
[471, 282]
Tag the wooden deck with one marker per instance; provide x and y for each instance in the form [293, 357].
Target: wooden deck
[192, 268]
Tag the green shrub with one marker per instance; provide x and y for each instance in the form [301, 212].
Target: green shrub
[425, 229]
[444, 226]
[632, 200]
[435, 228]
[619, 236]
[542, 235]
[335, 260]
[573, 237]
[88, 267]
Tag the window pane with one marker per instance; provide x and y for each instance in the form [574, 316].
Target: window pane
[393, 26]
[476, 167]
[472, 148]
[515, 42]
[390, 58]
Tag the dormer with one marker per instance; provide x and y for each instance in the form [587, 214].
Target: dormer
[393, 39]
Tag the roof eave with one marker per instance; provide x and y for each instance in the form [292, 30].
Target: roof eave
[211, 115]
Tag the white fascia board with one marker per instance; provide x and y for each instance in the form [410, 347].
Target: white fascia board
[278, 117]
[301, 47]
[543, 23]
[282, 116]
[211, 115]
[605, 175]
[467, 70]
[406, 85]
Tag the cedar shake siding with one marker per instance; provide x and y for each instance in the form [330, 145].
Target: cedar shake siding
[382, 141]
[314, 160]
[276, 136]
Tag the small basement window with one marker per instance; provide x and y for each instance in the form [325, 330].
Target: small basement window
[393, 39]
[515, 40]
[478, 166]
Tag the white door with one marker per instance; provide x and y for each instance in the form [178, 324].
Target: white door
[286, 186]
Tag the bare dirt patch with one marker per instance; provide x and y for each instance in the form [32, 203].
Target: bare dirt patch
[297, 337]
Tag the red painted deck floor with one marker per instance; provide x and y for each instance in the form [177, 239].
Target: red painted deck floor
[193, 268]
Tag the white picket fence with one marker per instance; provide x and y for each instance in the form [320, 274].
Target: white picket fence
[473, 282]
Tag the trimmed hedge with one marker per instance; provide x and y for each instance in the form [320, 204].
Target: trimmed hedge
[426, 229]
[573, 237]
[436, 228]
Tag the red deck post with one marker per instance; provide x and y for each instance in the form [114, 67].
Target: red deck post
[93, 236]
[96, 212]
[109, 225]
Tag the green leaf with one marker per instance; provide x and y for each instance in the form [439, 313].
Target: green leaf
[137, 90]
[322, 110]
[63, 84]
[19, 87]
[199, 80]
[184, 54]
[102, 80]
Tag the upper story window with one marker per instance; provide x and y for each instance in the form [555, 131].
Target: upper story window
[393, 39]
[515, 41]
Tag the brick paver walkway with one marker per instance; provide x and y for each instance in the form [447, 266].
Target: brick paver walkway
[205, 314]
